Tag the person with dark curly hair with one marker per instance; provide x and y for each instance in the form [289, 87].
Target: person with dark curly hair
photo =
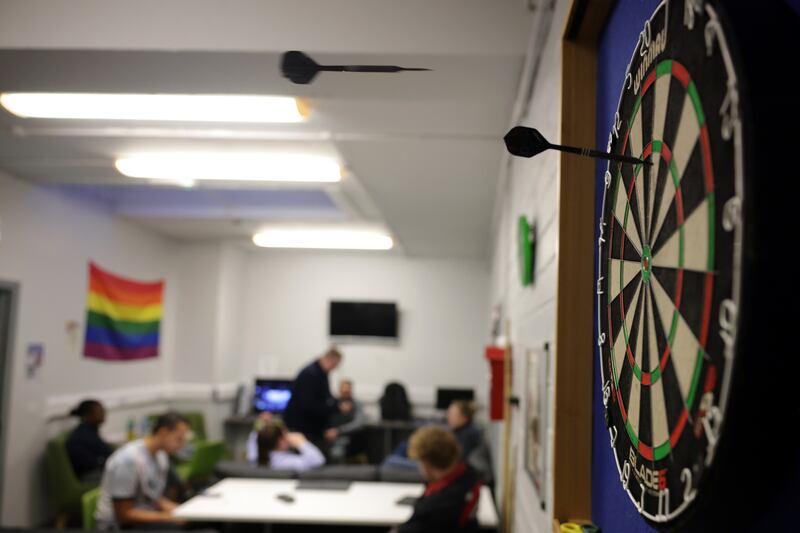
[88, 451]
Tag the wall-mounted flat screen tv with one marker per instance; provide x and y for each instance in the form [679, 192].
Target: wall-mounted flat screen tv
[363, 319]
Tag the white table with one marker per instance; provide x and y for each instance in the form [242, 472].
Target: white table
[363, 503]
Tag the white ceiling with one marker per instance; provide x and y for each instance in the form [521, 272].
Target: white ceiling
[422, 149]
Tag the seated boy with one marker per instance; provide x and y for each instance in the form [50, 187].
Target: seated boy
[450, 500]
[135, 476]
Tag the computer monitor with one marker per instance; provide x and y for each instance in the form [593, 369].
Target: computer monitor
[446, 396]
[271, 395]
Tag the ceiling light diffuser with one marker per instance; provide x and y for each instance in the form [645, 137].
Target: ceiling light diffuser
[323, 238]
[231, 166]
[167, 107]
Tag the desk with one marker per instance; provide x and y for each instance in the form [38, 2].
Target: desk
[362, 504]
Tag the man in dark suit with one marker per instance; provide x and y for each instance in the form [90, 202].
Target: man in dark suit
[311, 406]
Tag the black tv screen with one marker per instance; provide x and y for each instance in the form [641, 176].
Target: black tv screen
[363, 319]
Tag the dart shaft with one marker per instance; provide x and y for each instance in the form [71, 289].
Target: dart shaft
[596, 153]
[371, 68]
[366, 68]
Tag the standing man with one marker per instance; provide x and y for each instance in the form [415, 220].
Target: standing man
[312, 405]
[132, 489]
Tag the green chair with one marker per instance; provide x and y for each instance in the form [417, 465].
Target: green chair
[203, 461]
[89, 504]
[64, 486]
[198, 424]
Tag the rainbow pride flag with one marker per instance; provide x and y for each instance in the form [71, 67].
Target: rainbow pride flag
[123, 317]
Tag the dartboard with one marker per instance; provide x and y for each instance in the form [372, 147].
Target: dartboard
[669, 268]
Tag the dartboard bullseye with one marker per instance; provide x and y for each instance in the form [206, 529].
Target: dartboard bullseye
[669, 258]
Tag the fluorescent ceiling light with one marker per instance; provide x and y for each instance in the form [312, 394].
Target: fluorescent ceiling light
[323, 238]
[169, 107]
[178, 132]
[185, 183]
[231, 166]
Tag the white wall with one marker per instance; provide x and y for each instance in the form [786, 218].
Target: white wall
[198, 300]
[229, 355]
[209, 334]
[532, 190]
[442, 306]
[46, 242]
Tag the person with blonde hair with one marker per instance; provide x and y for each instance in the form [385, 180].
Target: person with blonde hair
[450, 500]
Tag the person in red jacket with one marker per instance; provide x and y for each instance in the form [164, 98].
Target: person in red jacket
[450, 500]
